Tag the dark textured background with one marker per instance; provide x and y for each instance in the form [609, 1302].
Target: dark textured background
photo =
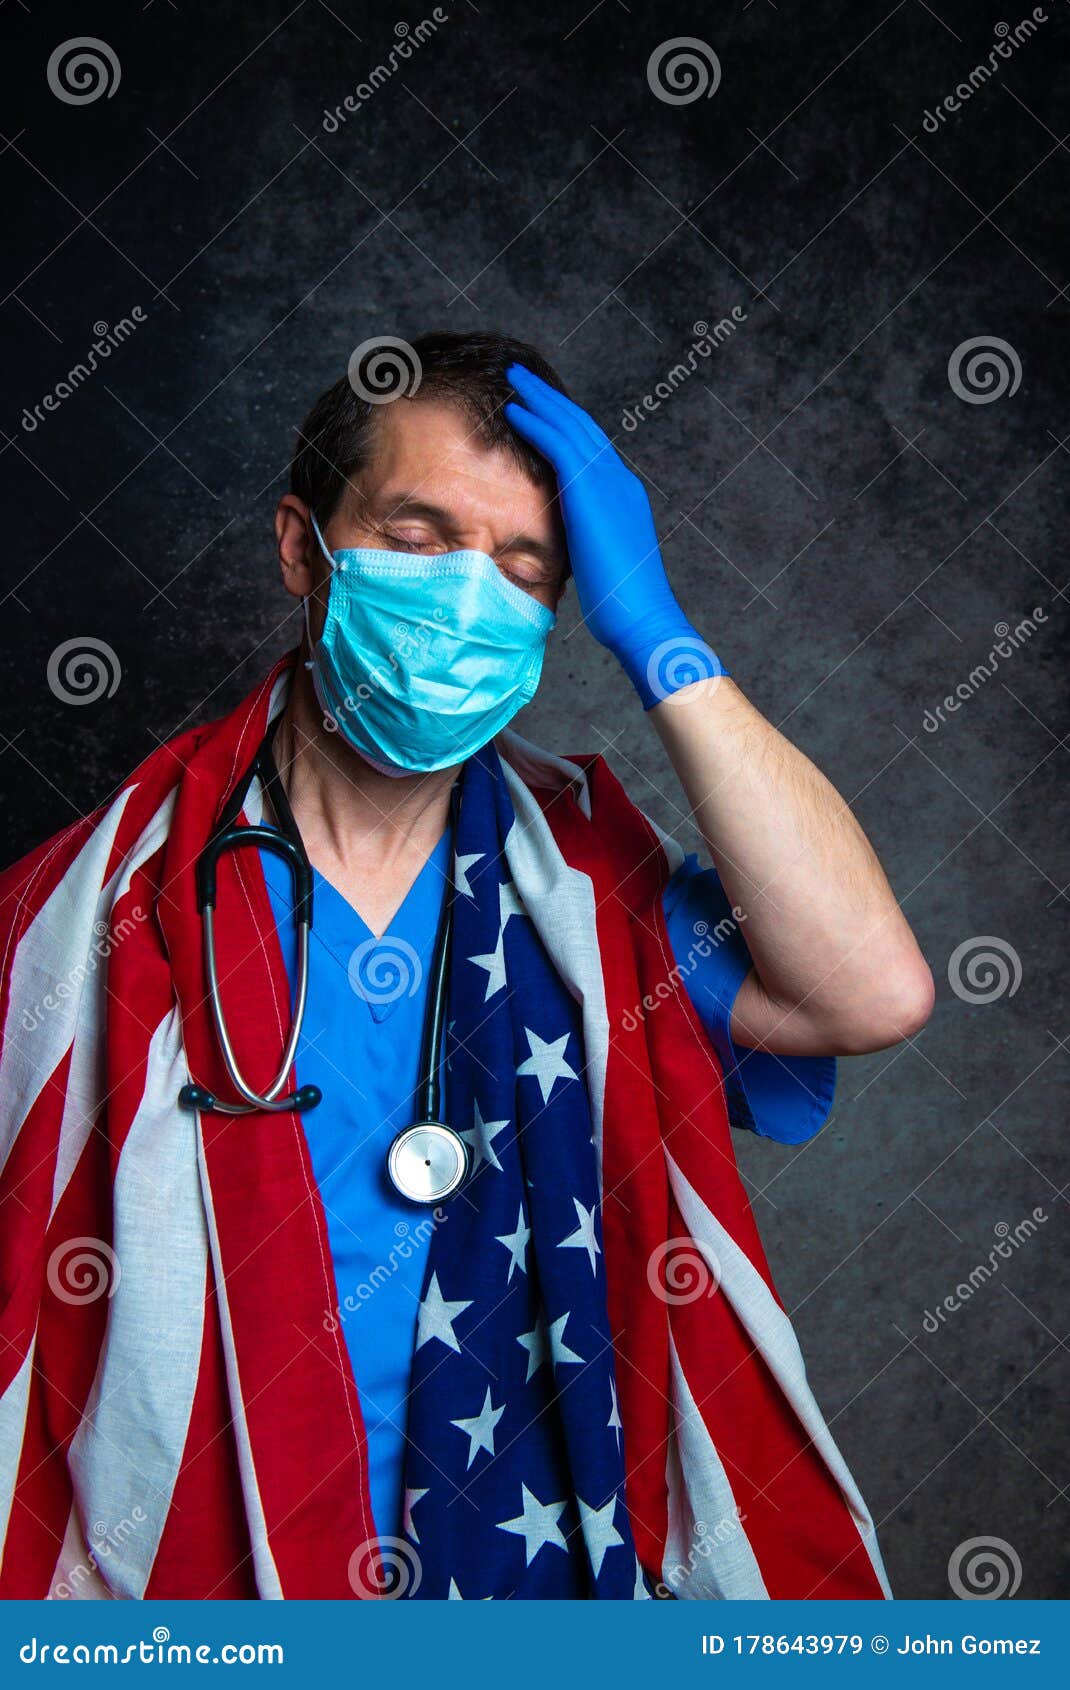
[842, 527]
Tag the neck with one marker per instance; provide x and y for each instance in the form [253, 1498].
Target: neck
[350, 815]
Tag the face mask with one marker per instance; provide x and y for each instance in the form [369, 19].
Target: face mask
[423, 659]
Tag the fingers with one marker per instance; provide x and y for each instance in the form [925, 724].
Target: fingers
[548, 402]
[547, 437]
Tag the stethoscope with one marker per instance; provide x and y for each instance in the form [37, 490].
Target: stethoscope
[427, 1161]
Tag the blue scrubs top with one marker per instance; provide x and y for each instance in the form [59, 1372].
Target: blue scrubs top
[361, 1044]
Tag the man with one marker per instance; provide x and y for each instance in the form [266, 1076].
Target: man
[533, 1350]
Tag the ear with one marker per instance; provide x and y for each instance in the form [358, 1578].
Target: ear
[297, 545]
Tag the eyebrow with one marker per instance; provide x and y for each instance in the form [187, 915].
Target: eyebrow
[407, 504]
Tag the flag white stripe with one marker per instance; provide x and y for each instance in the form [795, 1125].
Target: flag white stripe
[773, 1336]
[268, 1582]
[125, 1457]
[707, 1552]
[13, 1405]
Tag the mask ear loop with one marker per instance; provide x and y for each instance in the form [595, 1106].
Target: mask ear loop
[309, 663]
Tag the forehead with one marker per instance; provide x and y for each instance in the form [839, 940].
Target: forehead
[432, 445]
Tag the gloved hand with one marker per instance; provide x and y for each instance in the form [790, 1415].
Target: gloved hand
[623, 590]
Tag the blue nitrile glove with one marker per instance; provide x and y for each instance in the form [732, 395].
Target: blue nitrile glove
[623, 590]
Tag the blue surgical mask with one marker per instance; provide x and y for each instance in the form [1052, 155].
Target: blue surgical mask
[423, 659]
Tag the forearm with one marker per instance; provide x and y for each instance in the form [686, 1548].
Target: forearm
[836, 967]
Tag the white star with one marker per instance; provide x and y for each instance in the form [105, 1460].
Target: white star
[614, 1423]
[454, 1595]
[516, 1243]
[480, 1141]
[558, 1348]
[640, 1593]
[536, 1525]
[583, 1238]
[599, 1532]
[494, 963]
[547, 1062]
[479, 1429]
[437, 1317]
[542, 1341]
[508, 902]
[461, 866]
[412, 1497]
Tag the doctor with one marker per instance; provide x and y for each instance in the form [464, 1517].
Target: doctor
[572, 1377]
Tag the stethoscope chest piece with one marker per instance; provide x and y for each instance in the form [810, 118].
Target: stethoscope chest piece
[427, 1162]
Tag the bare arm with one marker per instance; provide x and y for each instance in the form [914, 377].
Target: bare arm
[837, 969]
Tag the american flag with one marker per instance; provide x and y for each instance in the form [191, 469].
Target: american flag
[178, 1415]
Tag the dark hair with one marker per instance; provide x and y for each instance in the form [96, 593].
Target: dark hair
[335, 440]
